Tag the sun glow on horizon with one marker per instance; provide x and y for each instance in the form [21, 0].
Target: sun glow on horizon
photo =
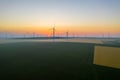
[75, 16]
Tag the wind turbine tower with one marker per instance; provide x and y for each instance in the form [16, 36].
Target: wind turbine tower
[67, 33]
[53, 32]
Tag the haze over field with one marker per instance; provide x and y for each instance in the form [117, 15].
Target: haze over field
[60, 39]
[80, 17]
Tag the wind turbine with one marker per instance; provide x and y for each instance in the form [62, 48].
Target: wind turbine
[67, 33]
[53, 31]
[33, 34]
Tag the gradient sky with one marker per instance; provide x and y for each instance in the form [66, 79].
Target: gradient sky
[76, 16]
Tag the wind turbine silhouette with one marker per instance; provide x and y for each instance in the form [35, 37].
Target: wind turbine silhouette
[33, 34]
[67, 33]
[53, 31]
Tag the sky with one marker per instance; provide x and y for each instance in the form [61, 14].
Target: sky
[75, 16]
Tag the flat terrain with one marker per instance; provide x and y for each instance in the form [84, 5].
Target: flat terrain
[48, 60]
[98, 41]
[107, 56]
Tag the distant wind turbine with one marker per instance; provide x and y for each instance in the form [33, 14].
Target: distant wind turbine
[53, 31]
[67, 33]
[33, 34]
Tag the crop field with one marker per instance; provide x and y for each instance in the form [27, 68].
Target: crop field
[51, 60]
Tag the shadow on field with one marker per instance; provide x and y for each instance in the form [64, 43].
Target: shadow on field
[47, 60]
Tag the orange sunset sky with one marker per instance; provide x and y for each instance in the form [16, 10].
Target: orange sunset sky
[75, 16]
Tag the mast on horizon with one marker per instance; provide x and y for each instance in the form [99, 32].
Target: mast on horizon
[33, 34]
[53, 32]
[67, 33]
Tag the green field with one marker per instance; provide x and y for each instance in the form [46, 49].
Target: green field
[48, 60]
